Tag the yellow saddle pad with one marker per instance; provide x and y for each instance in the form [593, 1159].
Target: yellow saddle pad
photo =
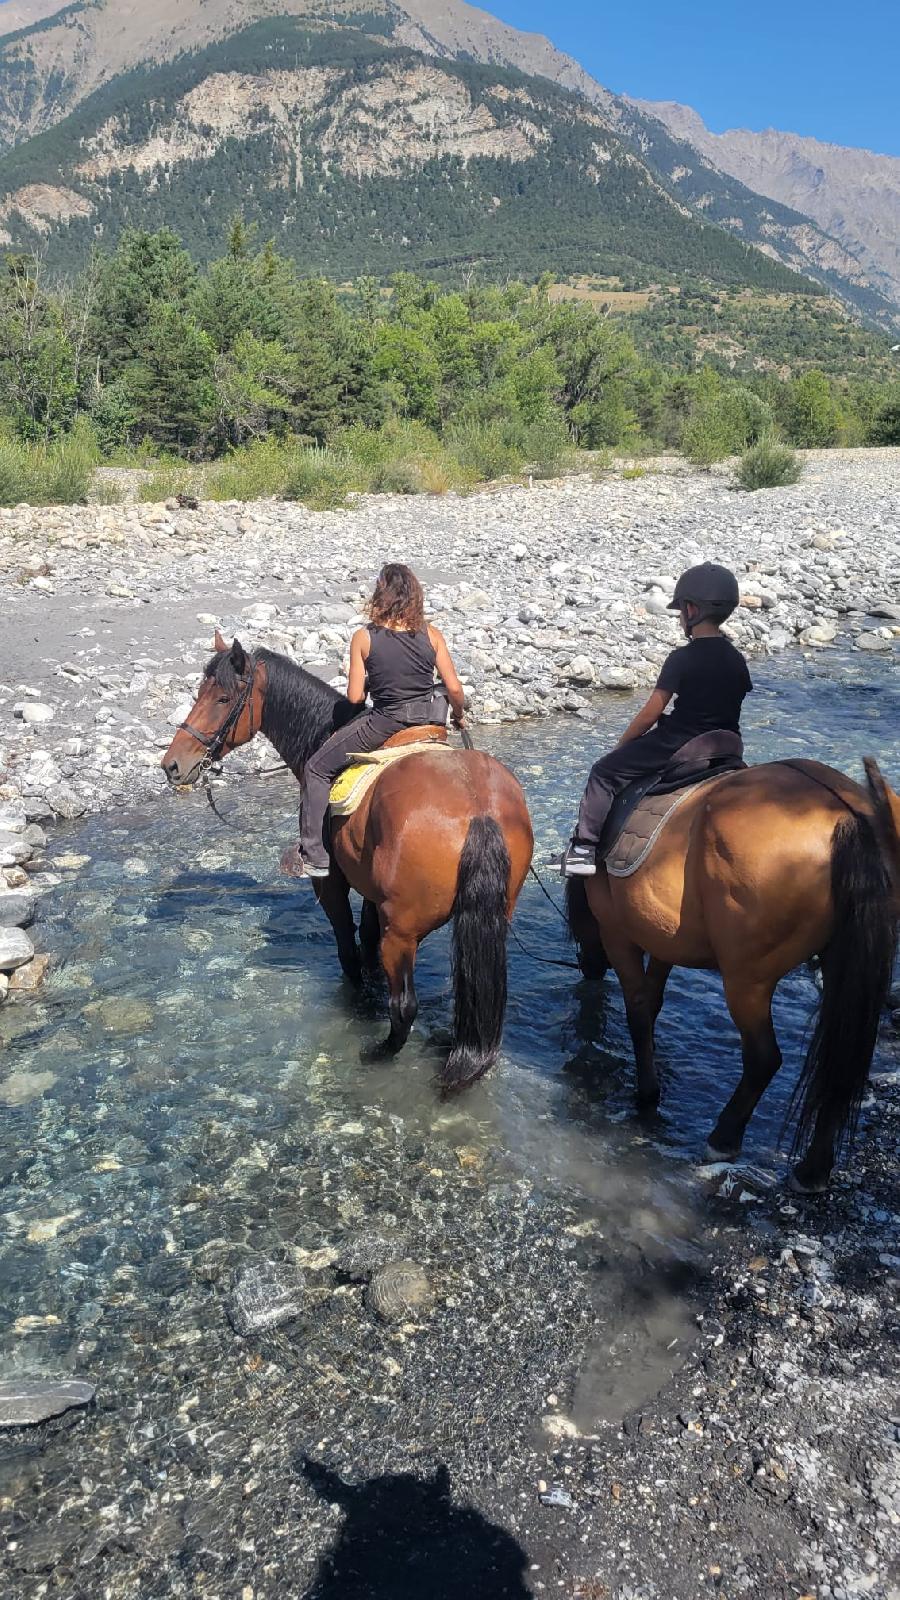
[352, 785]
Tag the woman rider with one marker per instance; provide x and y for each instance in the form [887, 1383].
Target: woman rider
[395, 658]
[709, 679]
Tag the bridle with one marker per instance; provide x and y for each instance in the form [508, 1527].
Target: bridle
[214, 743]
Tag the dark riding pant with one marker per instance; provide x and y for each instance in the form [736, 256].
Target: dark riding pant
[611, 774]
[367, 732]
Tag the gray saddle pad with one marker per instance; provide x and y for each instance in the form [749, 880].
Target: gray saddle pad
[644, 826]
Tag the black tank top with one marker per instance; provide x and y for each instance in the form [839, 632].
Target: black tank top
[400, 668]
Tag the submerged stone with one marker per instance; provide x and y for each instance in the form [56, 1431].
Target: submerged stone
[400, 1289]
[24, 1086]
[121, 1015]
[264, 1296]
[27, 1401]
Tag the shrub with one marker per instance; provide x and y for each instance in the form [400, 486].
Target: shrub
[257, 471]
[166, 481]
[768, 465]
[485, 449]
[321, 477]
[546, 447]
[48, 474]
[402, 476]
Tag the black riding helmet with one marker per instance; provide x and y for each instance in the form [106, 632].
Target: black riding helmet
[713, 589]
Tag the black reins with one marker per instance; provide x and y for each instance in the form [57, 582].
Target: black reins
[214, 743]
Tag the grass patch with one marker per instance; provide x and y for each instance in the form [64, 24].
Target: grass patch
[167, 481]
[48, 474]
[630, 473]
[768, 465]
[321, 477]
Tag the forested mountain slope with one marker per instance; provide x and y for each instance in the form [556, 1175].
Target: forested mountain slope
[359, 155]
[101, 60]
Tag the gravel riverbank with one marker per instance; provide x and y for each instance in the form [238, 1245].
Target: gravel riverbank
[548, 597]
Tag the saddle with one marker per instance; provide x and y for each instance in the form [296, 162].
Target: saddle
[642, 809]
[363, 769]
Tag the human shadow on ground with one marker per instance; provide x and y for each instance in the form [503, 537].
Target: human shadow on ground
[403, 1538]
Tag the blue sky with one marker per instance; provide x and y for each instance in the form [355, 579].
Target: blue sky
[824, 69]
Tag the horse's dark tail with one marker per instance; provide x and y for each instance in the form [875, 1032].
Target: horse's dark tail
[480, 927]
[857, 966]
[584, 932]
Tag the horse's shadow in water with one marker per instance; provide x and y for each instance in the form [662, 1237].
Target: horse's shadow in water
[404, 1539]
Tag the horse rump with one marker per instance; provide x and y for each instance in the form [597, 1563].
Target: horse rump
[480, 928]
[857, 967]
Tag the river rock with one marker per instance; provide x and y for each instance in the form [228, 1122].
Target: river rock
[398, 1290]
[121, 1014]
[16, 908]
[30, 975]
[580, 670]
[819, 634]
[15, 949]
[264, 1296]
[27, 1401]
[34, 712]
[367, 1251]
[617, 678]
[885, 608]
[14, 849]
[874, 641]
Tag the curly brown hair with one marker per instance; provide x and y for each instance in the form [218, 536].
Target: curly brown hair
[398, 601]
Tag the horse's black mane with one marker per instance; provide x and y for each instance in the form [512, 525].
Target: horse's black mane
[300, 710]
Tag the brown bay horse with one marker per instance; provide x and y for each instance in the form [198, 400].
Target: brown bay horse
[753, 875]
[442, 835]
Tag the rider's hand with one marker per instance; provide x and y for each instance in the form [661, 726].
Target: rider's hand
[458, 719]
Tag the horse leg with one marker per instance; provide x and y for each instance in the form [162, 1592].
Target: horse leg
[657, 978]
[369, 933]
[628, 961]
[398, 957]
[751, 1010]
[333, 895]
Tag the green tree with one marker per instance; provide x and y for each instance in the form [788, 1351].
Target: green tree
[172, 383]
[813, 415]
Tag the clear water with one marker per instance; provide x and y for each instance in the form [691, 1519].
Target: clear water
[195, 1005]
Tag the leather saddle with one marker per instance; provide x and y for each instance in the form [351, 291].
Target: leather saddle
[709, 755]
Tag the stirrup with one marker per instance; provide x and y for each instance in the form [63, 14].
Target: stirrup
[579, 860]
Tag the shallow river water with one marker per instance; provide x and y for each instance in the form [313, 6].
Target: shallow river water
[186, 1094]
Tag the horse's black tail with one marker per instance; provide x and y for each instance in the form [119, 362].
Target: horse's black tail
[857, 966]
[584, 932]
[480, 927]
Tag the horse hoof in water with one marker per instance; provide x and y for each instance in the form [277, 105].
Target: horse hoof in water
[800, 1185]
[381, 1050]
[712, 1156]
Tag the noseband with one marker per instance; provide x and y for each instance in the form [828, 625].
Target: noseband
[214, 743]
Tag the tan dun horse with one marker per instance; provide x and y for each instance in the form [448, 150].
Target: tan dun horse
[752, 876]
[443, 834]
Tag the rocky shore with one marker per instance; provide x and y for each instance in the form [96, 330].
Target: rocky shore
[548, 596]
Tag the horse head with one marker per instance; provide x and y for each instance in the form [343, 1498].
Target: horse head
[226, 713]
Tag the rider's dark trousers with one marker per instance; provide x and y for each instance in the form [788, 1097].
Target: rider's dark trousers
[637, 759]
[368, 732]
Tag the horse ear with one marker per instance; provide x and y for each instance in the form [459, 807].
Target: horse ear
[219, 643]
[238, 658]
